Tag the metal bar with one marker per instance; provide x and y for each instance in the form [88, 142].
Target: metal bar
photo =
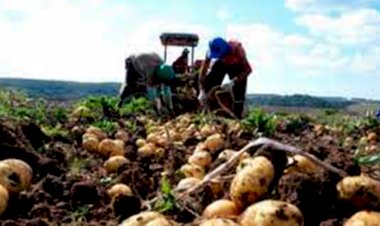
[165, 53]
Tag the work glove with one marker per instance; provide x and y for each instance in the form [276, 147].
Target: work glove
[202, 96]
[229, 85]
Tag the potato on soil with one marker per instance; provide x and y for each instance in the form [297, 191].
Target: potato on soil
[372, 137]
[97, 132]
[302, 164]
[214, 142]
[191, 170]
[207, 130]
[91, 144]
[201, 158]
[218, 222]
[15, 175]
[362, 191]
[114, 163]
[109, 147]
[147, 150]
[146, 219]
[272, 213]
[251, 183]
[187, 183]
[140, 142]
[119, 189]
[364, 218]
[4, 198]
[222, 208]
[122, 135]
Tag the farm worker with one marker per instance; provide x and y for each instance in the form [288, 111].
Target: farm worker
[378, 114]
[147, 74]
[230, 59]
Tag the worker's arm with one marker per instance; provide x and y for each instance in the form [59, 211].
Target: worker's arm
[203, 71]
[154, 98]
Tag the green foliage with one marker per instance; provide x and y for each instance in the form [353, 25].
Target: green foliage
[136, 106]
[295, 123]
[167, 201]
[260, 122]
[106, 126]
[368, 159]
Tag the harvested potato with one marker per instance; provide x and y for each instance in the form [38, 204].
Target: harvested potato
[147, 150]
[145, 218]
[151, 138]
[111, 147]
[97, 132]
[91, 144]
[200, 147]
[319, 129]
[272, 213]
[122, 135]
[140, 142]
[362, 191]
[214, 142]
[228, 153]
[187, 183]
[348, 142]
[364, 218]
[216, 186]
[15, 175]
[160, 222]
[222, 208]
[119, 189]
[191, 170]
[207, 130]
[219, 222]
[114, 163]
[372, 137]
[201, 158]
[252, 182]
[363, 141]
[4, 198]
[302, 164]
[162, 142]
[244, 163]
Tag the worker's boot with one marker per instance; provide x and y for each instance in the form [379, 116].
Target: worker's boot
[238, 109]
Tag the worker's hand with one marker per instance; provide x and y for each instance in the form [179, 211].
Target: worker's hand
[229, 85]
[202, 96]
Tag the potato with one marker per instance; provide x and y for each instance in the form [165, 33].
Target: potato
[145, 218]
[372, 137]
[302, 164]
[216, 186]
[151, 138]
[252, 182]
[191, 170]
[15, 175]
[147, 150]
[272, 213]
[214, 142]
[91, 144]
[361, 191]
[119, 189]
[97, 132]
[201, 158]
[110, 147]
[162, 142]
[228, 153]
[319, 129]
[219, 222]
[244, 163]
[122, 135]
[364, 218]
[348, 142]
[187, 183]
[4, 198]
[207, 130]
[140, 142]
[200, 147]
[160, 222]
[120, 148]
[222, 208]
[114, 163]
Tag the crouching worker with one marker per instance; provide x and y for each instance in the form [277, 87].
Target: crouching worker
[231, 60]
[147, 75]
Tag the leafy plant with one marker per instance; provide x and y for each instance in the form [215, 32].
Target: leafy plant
[167, 202]
[260, 122]
[136, 106]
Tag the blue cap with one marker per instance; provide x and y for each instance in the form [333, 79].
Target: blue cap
[218, 48]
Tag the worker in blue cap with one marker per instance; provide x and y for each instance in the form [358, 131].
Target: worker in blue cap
[230, 59]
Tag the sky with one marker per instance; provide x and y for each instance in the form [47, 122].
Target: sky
[316, 47]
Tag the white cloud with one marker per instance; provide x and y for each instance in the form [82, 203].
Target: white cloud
[223, 14]
[326, 6]
[359, 27]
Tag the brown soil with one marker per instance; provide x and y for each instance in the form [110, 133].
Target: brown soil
[62, 194]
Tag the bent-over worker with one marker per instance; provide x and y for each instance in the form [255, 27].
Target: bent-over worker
[231, 60]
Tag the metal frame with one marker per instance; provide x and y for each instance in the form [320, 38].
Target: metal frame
[180, 39]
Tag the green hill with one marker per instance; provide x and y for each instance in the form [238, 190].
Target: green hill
[66, 91]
